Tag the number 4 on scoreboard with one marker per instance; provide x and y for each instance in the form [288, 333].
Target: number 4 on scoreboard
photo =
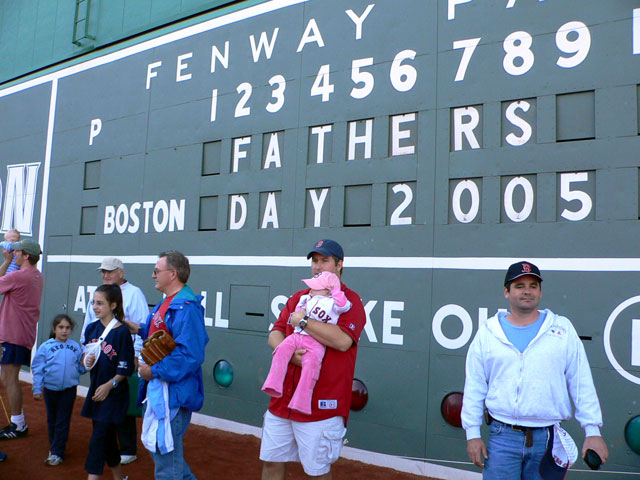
[322, 85]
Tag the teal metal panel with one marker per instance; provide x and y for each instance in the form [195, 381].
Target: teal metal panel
[163, 142]
[38, 34]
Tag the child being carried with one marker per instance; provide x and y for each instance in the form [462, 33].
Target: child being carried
[324, 302]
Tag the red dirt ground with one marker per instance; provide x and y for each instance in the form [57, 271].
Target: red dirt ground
[212, 454]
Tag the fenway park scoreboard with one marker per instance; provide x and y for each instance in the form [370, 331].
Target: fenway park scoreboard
[437, 141]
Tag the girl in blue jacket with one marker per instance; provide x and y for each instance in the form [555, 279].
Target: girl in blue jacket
[56, 369]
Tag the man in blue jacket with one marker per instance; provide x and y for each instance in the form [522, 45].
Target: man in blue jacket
[181, 315]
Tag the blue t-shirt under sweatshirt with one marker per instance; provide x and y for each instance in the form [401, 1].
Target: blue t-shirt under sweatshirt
[520, 336]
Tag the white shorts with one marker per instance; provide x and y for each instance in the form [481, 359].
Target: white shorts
[315, 444]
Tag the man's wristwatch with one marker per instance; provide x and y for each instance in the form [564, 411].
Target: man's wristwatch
[113, 381]
[303, 322]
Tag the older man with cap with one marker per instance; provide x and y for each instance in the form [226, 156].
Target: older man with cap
[315, 440]
[523, 366]
[136, 310]
[19, 314]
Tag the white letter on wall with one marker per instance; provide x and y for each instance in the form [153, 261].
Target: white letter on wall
[263, 43]
[270, 212]
[515, 120]
[183, 66]
[94, 131]
[273, 152]
[237, 201]
[151, 73]
[215, 54]
[237, 153]
[176, 214]
[354, 139]
[317, 205]
[20, 199]
[311, 34]
[109, 219]
[320, 131]
[397, 135]
[359, 20]
[389, 322]
[465, 129]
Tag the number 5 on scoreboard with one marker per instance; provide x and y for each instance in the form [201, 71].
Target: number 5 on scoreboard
[469, 46]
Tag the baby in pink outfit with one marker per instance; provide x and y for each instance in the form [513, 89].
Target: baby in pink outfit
[325, 302]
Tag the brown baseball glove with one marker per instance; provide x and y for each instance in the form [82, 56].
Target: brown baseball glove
[157, 346]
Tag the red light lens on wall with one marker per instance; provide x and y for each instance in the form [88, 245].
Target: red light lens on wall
[451, 408]
[359, 395]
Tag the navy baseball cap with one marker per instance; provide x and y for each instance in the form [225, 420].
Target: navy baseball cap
[561, 453]
[521, 269]
[328, 248]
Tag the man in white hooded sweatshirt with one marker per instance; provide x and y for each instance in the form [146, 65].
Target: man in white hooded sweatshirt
[523, 365]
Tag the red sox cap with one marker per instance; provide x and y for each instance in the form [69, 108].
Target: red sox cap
[328, 248]
[521, 269]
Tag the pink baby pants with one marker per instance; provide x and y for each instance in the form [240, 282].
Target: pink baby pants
[311, 364]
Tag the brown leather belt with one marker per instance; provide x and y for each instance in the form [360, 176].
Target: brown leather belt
[528, 431]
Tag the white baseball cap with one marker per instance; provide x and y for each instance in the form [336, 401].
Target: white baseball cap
[110, 264]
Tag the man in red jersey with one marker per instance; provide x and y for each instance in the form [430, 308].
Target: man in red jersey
[315, 440]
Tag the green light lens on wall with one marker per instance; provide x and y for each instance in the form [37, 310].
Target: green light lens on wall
[632, 434]
[223, 373]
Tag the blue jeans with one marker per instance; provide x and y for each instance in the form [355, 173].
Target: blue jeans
[509, 457]
[172, 465]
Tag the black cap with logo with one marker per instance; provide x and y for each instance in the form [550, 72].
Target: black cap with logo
[521, 269]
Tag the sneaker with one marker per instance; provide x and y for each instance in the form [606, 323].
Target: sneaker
[11, 431]
[3, 456]
[54, 460]
[126, 459]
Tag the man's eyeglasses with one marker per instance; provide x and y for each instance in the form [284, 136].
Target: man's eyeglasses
[157, 271]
